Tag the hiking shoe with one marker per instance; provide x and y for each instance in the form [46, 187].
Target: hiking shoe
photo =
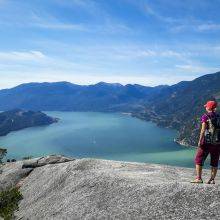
[197, 181]
[211, 181]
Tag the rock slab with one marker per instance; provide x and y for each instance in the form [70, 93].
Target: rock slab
[104, 189]
[14, 172]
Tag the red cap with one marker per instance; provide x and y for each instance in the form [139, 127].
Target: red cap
[211, 105]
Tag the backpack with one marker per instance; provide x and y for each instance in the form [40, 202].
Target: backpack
[212, 135]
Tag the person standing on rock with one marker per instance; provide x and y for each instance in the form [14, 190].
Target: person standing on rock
[209, 142]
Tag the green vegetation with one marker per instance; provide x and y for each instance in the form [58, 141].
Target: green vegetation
[17, 119]
[9, 203]
[3, 152]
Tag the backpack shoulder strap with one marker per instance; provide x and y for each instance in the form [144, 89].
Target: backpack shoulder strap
[208, 116]
[214, 116]
[208, 122]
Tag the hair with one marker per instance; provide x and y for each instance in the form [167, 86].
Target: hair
[212, 109]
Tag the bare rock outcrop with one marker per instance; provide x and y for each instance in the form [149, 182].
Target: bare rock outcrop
[12, 173]
[64, 188]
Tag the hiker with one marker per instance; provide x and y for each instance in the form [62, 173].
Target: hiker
[209, 142]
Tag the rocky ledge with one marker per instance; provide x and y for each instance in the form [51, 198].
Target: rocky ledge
[57, 187]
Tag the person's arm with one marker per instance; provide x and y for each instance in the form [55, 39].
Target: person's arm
[202, 134]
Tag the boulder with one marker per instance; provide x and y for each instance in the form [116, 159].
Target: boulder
[42, 161]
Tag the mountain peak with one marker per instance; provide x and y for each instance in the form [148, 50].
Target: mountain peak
[108, 84]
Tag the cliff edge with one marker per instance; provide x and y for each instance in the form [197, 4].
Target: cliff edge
[56, 187]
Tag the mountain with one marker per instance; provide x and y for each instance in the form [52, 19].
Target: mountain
[65, 96]
[56, 187]
[180, 106]
[17, 119]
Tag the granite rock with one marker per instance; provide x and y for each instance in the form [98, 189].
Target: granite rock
[104, 189]
[14, 172]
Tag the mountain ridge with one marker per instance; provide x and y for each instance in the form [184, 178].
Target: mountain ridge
[181, 106]
[70, 97]
[178, 106]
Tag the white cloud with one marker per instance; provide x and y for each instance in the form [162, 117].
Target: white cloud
[61, 26]
[198, 26]
[171, 53]
[22, 56]
[146, 53]
[196, 69]
[148, 9]
[47, 21]
[147, 79]
[129, 53]
[209, 27]
[28, 17]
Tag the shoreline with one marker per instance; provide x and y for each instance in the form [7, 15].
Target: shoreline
[182, 142]
[33, 160]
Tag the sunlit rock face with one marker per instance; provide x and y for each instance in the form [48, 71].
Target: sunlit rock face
[65, 188]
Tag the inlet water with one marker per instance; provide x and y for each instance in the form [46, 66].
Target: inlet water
[113, 136]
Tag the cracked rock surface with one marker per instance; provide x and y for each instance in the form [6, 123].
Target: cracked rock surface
[104, 189]
[12, 173]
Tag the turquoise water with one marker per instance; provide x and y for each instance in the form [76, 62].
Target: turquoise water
[100, 135]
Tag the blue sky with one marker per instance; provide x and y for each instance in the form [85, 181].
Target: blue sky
[149, 42]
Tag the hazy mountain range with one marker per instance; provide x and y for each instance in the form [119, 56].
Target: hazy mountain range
[178, 106]
[65, 96]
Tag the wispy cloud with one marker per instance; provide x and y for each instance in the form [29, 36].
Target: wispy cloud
[83, 16]
[150, 8]
[196, 26]
[196, 69]
[139, 41]
[167, 19]
[22, 56]
[208, 27]
[48, 21]
[60, 26]
[176, 23]
[144, 52]
[146, 78]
